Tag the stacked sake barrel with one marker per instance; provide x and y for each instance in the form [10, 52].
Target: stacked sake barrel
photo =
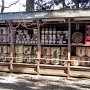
[4, 52]
[42, 35]
[54, 32]
[86, 57]
[34, 50]
[48, 35]
[45, 53]
[80, 52]
[27, 54]
[26, 37]
[55, 54]
[19, 53]
[64, 55]
[4, 35]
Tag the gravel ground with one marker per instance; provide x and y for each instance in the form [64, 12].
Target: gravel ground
[38, 82]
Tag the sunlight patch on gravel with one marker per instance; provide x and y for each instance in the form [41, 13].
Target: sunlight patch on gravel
[8, 79]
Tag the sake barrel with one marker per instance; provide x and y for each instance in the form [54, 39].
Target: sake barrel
[6, 59]
[75, 61]
[27, 59]
[8, 49]
[3, 59]
[55, 52]
[34, 50]
[27, 49]
[4, 30]
[5, 49]
[80, 51]
[64, 51]
[19, 58]
[66, 34]
[85, 63]
[45, 51]
[34, 60]
[88, 51]
[46, 61]
[55, 62]
[4, 38]
[19, 49]
[63, 62]
[88, 63]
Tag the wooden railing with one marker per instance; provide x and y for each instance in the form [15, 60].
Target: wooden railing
[38, 63]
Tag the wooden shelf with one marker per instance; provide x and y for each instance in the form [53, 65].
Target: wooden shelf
[47, 44]
[54, 44]
[25, 44]
[44, 44]
[4, 43]
[79, 45]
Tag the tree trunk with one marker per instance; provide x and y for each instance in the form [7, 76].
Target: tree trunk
[77, 4]
[63, 4]
[2, 6]
[29, 5]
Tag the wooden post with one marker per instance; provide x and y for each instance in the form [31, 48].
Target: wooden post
[11, 45]
[39, 47]
[69, 46]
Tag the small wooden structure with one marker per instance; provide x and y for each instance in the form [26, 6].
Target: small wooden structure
[45, 42]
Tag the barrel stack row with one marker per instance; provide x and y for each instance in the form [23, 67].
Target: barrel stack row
[24, 53]
[82, 54]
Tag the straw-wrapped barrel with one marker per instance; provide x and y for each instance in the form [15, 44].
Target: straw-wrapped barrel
[80, 51]
[85, 59]
[75, 61]
[55, 54]
[63, 62]
[88, 51]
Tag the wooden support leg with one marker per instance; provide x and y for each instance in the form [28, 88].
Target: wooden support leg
[11, 45]
[38, 67]
[39, 48]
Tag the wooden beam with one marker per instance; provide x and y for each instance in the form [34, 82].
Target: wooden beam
[69, 47]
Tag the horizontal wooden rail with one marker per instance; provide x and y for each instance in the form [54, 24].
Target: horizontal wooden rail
[45, 59]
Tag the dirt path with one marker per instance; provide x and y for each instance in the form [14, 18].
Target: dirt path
[34, 82]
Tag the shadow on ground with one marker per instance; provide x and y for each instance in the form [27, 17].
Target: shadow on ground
[24, 86]
[25, 83]
[32, 84]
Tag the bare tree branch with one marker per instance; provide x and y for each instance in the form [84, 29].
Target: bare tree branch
[3, 5]
[12, 4]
